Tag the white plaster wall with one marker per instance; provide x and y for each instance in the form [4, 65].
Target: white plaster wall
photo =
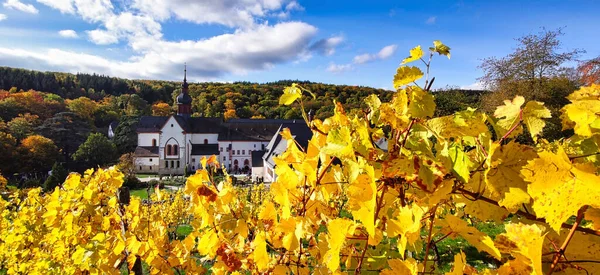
[245, 151]
[172, 133]
[144, 165]
[199, 138]
[257, 172]
[145, 139]
[147, 161]
[268, 171]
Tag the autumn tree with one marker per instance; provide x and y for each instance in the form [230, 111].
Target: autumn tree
[84, 107]
[525, 71]
[535, 70]
[161, 109]
[67, 130]
[7, 150]
[37, 153]
[229, 110]
[22, 126]
[126, 164]
[589, 71]
[96, 151]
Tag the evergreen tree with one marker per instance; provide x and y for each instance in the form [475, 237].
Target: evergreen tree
[58, 176]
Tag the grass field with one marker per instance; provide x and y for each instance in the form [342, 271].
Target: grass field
[141, 193]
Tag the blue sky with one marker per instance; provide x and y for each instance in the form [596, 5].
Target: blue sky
[340, 42]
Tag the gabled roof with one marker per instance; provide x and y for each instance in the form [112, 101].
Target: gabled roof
[301, 133]
[149, 124]
[205, 149]
[146, 151]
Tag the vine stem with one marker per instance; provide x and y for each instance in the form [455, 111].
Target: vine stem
[431, 221]
[362, 256]
[514, 126]
[563, 247]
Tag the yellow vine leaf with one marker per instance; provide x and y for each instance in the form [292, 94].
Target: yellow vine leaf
[460, 265]
[406, 75]
[481, 241]
[504, 170]
[397, 266]
[514, 198]
[509, 115]
[336, 236]
[421, 103]
[440, 48]
[593, 215]
[290, 94]
[559, 189]
[260, 255]
[208, 243]
[532, 116]
[363, 194]
[583, 116]
[415, 54]
[524, 242]
[406, 223]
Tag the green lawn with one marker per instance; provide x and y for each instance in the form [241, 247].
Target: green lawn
[141, 193]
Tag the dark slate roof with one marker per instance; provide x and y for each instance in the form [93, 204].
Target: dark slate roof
[146, 151]
[253, 129]
[205, 149]
[301, 133]
[204, 125]
[150, 124]
[257, 160]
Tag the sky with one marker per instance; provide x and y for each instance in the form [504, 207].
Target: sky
[330, 41]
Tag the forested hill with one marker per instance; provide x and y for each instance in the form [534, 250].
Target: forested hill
[210, 99]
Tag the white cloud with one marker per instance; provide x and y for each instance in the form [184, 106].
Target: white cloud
[102, 37]
[327, 46]
[431, 20]
[339, 68]
[238, 53]
[68, 33]
[384, 53]
[17, 5]
[93, 11]
[64, 6]
[475, 86]
[231, 13]
[387, 51]
[2, 16]
[252, 45]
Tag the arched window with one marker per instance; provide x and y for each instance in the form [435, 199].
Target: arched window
[235, 162]
[175, 150]
[168, 150]
[246, 162]
[205, 141]
[153, 142]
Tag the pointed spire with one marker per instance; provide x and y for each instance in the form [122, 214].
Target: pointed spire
[184, 85]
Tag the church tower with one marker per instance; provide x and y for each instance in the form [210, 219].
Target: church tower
[184, 100]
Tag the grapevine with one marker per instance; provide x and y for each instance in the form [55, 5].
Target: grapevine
[343, 203]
